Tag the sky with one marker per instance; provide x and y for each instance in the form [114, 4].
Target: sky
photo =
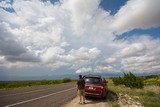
[57, 37]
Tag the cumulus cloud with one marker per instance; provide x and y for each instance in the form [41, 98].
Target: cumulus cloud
[52, 54]
[76, 58]
[5, 4]
[100, 67]
[11, 49]
[137, 14]
[81, 12]
[82, 57]
[140, 55]
[78, 34]
[83, 70]
[84, 53]
[8, 44]
[42, 36]
[110, 60]
[135, 49]
[29, 34]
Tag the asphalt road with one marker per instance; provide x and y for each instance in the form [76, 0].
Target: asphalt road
[41, 96]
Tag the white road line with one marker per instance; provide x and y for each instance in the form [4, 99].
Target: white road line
[24, 92]
[26, 101]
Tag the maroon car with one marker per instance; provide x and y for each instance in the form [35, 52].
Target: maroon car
[95, 86]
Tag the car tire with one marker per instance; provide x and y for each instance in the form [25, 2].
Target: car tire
[104, 95]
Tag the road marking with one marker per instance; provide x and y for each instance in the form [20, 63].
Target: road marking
[24, 92]
[27, 92]
[26, 101]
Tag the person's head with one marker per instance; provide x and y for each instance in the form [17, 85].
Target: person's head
[80, 76]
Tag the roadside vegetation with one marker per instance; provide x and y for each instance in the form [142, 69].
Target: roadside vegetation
[129, 80]
[145, 94]
[152, 80]
[17, 84]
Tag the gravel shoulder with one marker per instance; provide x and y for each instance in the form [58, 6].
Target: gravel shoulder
[112, 100]
[89, 103]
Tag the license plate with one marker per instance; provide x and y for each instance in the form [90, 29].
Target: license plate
[90, 87]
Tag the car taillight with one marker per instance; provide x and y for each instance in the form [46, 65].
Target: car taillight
[101, 87]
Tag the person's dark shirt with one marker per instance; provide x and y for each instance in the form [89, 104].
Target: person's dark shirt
[81, 83]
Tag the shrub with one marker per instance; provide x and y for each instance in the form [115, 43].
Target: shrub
[65, 80]
[129, 80]
[15, 84]
[117, 81]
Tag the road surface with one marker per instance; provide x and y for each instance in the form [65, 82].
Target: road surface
[41, 96]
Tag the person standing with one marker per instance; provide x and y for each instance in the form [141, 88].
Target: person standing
[81, 89]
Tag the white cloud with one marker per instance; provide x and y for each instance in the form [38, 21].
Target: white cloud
[57, 57]
[30, 33]
[78, 34]
[137, 14]
[81, 57]
[83, 70]
[135, 49]
[52, 54]
[104, 65]
[100, 67]
[110, 60]
[81, 12]
[5, 4]
[141, 55]
[2, 60]
[84, 53]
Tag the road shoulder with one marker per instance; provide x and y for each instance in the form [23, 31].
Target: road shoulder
[89, 103]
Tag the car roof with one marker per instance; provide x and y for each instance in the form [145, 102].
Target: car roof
[92, 76]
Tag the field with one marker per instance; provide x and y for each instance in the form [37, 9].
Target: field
[149, 96]
[17, 84]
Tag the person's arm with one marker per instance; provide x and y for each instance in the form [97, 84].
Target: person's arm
[77, 85]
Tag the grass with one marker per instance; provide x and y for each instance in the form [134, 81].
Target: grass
[149, 96]
[17, 84]
[150, 81]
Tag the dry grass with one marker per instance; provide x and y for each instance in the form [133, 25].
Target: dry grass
[153, 88]
[149, 96]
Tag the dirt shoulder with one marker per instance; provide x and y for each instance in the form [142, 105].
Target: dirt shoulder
[89, 103]
[113, 99]
[122, 101]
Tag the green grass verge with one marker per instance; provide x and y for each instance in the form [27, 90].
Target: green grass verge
[17, 84]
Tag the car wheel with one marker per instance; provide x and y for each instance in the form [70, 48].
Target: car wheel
[104, 95]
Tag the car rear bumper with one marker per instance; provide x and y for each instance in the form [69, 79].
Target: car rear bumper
[98, 95]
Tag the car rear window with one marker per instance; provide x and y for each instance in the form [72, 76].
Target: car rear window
[93, 80]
